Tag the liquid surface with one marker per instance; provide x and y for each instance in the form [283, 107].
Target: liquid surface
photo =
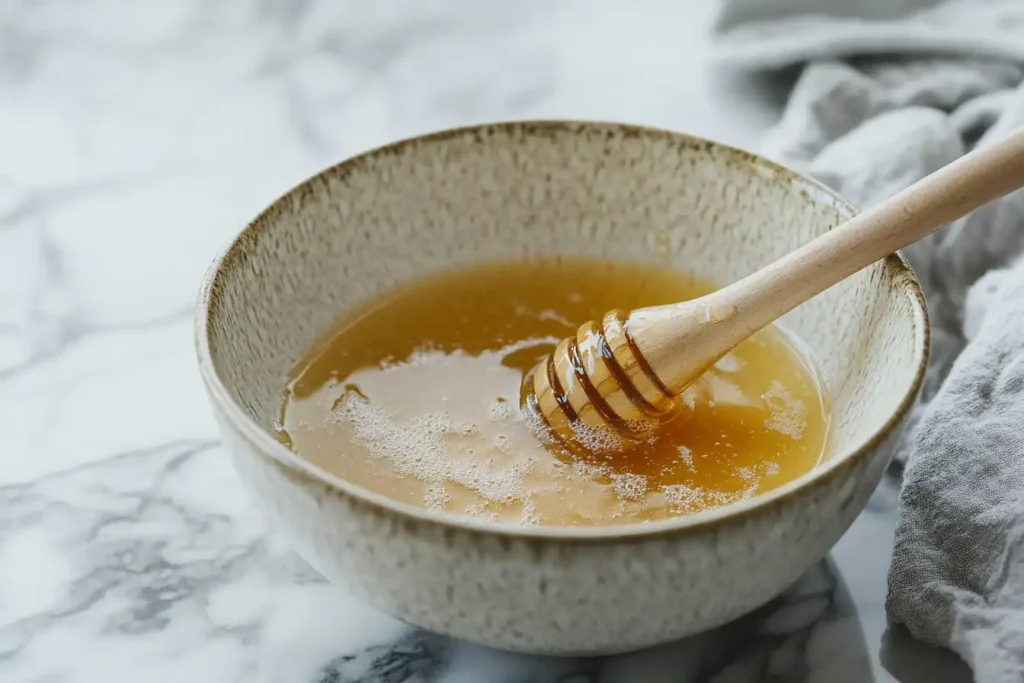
[416, 396]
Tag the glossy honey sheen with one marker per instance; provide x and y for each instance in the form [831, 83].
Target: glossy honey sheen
[416, 394]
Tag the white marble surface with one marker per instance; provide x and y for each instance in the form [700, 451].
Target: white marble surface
[135, 139]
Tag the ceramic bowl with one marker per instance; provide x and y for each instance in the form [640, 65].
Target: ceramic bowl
[541, 188]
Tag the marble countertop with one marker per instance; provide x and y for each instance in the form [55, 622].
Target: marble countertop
[135, 139]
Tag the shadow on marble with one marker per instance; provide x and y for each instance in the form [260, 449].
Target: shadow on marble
[911, 661]
[769, 89]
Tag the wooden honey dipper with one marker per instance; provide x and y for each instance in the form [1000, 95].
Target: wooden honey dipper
[626, 371]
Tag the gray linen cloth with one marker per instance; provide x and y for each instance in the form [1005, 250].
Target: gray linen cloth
[891, 90]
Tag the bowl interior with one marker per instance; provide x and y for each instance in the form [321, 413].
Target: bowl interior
[523, 189]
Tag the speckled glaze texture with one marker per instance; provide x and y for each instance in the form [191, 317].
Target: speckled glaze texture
[542, 188]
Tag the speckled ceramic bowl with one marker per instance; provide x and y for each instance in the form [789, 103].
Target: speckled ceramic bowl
[517, 189]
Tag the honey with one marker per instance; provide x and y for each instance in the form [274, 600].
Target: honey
[416, 395]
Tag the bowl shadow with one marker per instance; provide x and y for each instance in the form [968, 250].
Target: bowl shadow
[910, 661]
[809, 633]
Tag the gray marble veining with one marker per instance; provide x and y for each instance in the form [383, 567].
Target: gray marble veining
[135, 139]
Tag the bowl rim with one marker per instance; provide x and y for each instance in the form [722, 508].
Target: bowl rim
[268, 446]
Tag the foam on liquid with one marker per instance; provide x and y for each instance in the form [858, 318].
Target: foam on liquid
[416, 395]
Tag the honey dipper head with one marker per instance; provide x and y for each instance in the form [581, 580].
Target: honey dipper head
[597, 381]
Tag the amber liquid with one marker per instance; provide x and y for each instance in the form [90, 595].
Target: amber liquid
[416, 395]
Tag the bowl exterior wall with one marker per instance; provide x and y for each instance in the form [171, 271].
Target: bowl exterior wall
[537, 189]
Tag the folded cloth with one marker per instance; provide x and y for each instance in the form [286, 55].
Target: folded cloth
[889, 92]
[774, 33]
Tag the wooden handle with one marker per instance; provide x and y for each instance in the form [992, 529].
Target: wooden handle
[672, 338]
